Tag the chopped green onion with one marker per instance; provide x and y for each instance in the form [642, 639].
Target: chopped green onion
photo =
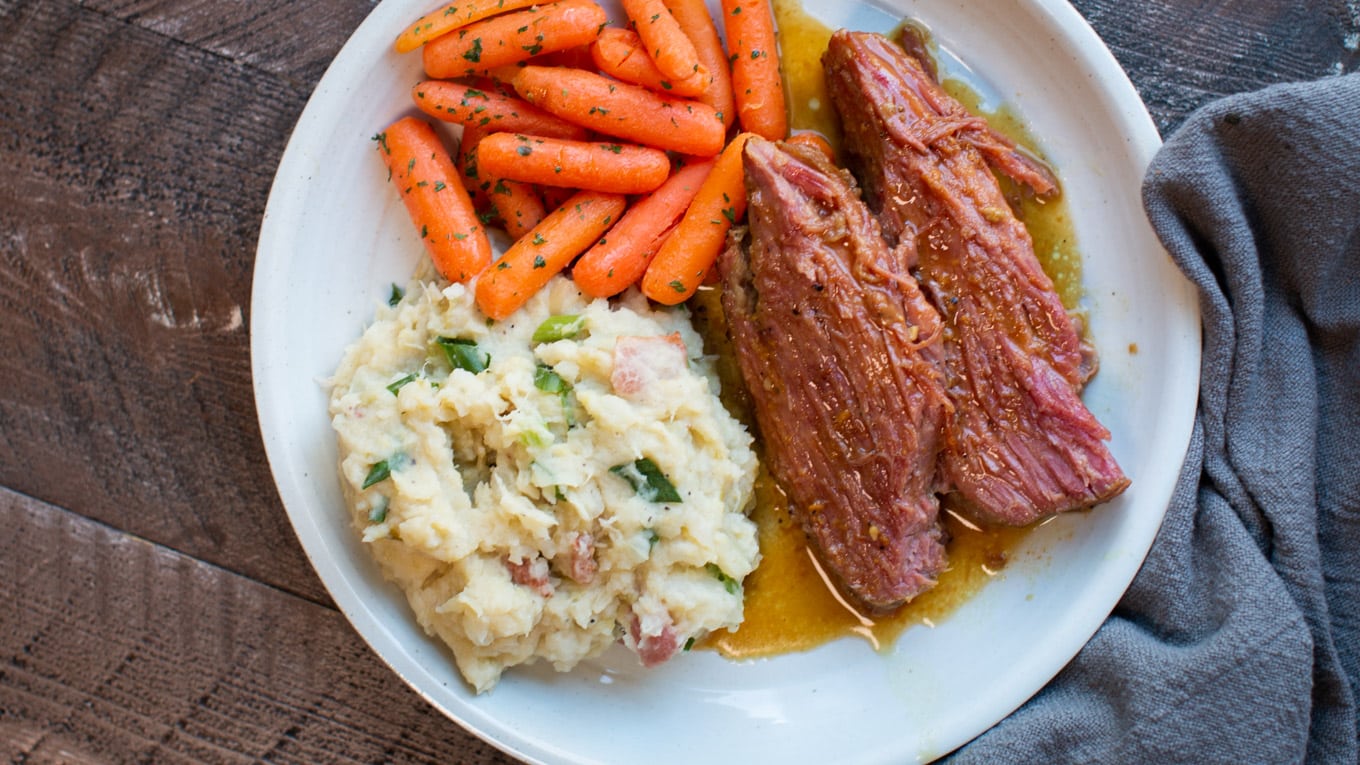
[379, 512]
[549, 381]
[688, 644]
[464, 354]
[647, 480]
[379, 472]
[396, 385]
[730, 584]
[652, 537]
[397, 294]
[562, 327]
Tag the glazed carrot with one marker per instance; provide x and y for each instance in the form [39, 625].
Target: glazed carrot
[619, 54]
[694, 18]
[622, 110]
[679, 267]
[620, 168]
[450, 17]
[662, 38]
[619, 259]
[756, 83]
[556, 196]
[517, 204]
[467, 165]
[814, 141]
[534, 259]
[422, 169]
[500, 40]
[486, 108]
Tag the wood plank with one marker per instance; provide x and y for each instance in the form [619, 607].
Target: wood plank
[295, 40]
[1181, 54]
[113, 649]
[136, 175]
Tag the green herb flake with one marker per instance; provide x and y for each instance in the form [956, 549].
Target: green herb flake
[377, 473]
[561, 327]
[396, 385]
[440, 186]
[614, 147]
[379, 512]
[538, 239]
[731, 585]
[464, 354]
[678, 286]
[688, 644]
[539, 262]
[548, 380]
[395, 295]
[474, 54]
[524, 151]
[647, 480]
[730, 213]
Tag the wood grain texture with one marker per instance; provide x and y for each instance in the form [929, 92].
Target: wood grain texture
[1182, 54]
[137, 173]
[115, 650]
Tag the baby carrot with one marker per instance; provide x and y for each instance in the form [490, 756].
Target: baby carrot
[517, 204]
[622, 110]
[619, 54]
[533, 259]
[438, 204]
[450, 17]
[618, 260]
[697, 23]
[555, 196]
[620, 168]
[679, 267]
[663, 39]
[756, 83]
[500, 40]
[484, 107]
[814, 141]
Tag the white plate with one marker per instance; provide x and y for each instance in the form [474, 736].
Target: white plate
[335, 236]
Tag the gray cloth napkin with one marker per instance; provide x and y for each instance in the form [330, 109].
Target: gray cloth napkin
[1239, 641]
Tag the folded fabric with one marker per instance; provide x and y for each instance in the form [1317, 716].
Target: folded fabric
[1239, 640]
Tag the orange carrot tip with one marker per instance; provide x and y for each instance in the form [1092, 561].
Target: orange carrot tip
[620, 53]
[625, 111]
[814, 141]
[615, 167]
[688, 253]
[619, 260]
[486, 107]
[670, 49]
[436, 200]
[545, 251]
[452, 16]
[757, 85]
[483, 46]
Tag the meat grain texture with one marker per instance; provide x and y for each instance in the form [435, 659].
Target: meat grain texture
[835, 347]
[1019, 444]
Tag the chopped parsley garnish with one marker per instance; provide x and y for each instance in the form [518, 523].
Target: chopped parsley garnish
[464, 354]
[396, 385]
[647, 480]
[561, 327]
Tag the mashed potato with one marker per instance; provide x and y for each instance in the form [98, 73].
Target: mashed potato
[544, 497]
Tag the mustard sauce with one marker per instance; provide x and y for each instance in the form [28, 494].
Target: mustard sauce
[791, 604]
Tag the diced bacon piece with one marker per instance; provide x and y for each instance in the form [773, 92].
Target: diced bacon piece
[532, 574]
[582, 567]
[654, 649]
[641, 361]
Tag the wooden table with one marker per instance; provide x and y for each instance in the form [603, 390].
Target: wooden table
[156, 605]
